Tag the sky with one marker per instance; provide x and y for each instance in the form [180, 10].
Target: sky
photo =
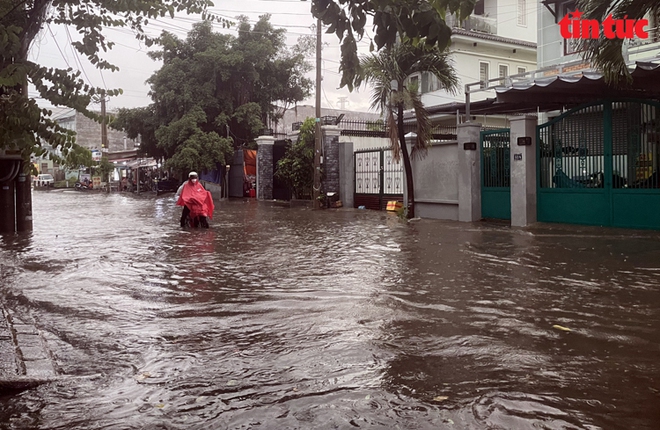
[52, 48]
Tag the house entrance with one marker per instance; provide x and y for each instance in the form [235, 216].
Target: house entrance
[495, 174]
[598, 165]
[378, 178]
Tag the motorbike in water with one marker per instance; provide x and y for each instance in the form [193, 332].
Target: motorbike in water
[80, 186]
[190, 221]
[197, 204]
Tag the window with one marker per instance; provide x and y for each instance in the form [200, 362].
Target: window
[413, 83]
[504, 71]
[483, 74]
[522, 13]
[570, 45]
[654, 27]
[478, 8]
[521, 70]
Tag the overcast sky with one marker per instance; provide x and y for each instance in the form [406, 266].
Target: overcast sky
[53, 48]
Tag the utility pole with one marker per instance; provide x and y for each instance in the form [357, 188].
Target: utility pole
[316, 187]
[104, 133]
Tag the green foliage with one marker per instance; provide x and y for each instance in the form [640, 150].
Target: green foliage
[191, 147]
[378, 125]
[23, 125]
[296, 168]
[418, 22]
[76, 157]
[140, 123]
[215, 92]
[607, 54]
[104, 168]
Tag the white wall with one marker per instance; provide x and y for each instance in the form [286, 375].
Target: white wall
[360, 143]
[436, 182]
[466, 58]
[507, 20]
[550, 44]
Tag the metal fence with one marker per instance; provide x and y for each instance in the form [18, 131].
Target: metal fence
[496, 166]
[377, 128]
[378, 178]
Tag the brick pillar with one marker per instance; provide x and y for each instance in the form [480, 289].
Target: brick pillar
[331, 182]
[265, 167]
[469, 172]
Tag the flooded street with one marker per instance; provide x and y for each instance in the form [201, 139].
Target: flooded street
[279, 318]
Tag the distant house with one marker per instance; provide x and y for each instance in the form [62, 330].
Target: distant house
[497, 41]
[88, 133]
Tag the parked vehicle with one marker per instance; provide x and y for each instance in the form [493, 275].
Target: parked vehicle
[44, 180]
[168, 185]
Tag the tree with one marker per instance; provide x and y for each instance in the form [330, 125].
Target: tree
[296, 168]
[24, 126]
[140, 123]
[103, 168]
[76, 157]
[392, 66]
[414, 21]
[607, 54]
[215, 92]
[192, 147]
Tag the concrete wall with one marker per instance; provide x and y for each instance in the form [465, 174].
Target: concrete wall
[508, 24]
[436, 182]
[360, 142]
[346, 174]
[550, 43]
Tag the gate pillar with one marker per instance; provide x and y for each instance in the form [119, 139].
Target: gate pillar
[331, 163]
[346, 174]
[469, 176]
[523, 170]
[265, 167]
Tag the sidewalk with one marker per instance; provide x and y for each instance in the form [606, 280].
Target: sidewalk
[24, 358]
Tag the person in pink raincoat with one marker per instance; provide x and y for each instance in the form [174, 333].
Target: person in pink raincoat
[197, 202]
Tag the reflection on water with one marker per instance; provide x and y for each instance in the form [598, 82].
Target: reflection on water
[288, 318]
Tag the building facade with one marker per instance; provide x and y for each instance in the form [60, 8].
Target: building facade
[497, 41]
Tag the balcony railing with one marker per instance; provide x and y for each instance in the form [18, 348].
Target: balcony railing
[654, 38]
[478, 23]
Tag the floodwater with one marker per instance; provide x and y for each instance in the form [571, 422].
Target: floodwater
[280, 318]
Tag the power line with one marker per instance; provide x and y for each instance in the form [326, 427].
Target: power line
[58, 45]
[75, 54]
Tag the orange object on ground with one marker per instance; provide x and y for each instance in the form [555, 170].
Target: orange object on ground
[393, 205]
[197, 199]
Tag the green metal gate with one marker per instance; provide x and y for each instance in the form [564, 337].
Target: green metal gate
[598, 165]
[495, 174]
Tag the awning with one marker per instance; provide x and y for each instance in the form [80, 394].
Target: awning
[548, 92]
[560, 92]
[141, 163]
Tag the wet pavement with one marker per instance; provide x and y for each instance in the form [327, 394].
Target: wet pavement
[279, 318]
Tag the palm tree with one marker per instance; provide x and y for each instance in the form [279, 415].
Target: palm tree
[387, 71]
[607, 54]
